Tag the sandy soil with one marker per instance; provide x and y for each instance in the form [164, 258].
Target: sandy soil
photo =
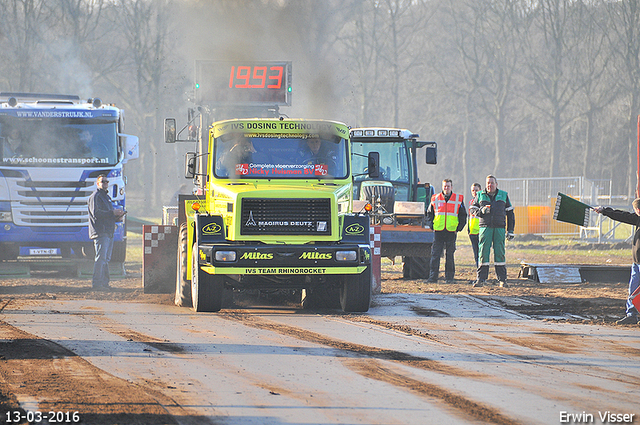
[27, 361]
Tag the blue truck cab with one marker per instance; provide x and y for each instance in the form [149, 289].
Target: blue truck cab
[52, 149]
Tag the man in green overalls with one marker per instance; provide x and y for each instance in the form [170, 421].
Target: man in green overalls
[495, 212]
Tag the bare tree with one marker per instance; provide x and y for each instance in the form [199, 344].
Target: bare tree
[487, 39]
[404, 47]
[361, 39]
[592, 71]
[23, 25]
[551, 49]
[145, 27]
[625, 25]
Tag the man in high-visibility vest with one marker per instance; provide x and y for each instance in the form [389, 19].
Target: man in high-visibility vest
[495, 211]
[473, 225]
[448, 216]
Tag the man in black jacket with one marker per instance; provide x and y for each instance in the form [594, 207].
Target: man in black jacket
[102, 225]
[632, 218]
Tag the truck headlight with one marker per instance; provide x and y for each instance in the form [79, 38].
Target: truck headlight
[226, 256]
[346, 256]
[5, 216]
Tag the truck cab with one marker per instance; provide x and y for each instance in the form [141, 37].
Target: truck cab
[398, 150]
[52, 149]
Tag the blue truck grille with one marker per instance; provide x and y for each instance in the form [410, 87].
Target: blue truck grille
[50, 203]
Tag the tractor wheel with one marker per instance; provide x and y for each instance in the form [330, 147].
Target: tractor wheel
[416, 267]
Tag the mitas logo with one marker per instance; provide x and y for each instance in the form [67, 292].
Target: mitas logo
[354, 229]
[257, 256]
[211, 229]
[315, 256]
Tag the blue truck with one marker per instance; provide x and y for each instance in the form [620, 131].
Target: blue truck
[52, 149]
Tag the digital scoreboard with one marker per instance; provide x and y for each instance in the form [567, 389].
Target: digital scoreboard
[243, 83]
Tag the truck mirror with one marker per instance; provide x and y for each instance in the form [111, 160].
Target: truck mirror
[169, 130]
[190, 165]
[432, 153]
[131, 147]
[373, 165]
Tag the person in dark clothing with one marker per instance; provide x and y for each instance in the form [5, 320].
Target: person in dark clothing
[448, 216]
[495, 212]
[102, 224]
[430, 191]
[632, 218]
[316, 152]
[230, 163]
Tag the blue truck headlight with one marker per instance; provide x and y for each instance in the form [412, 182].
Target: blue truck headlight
[346, 256]
[226, 256]
[5, 216]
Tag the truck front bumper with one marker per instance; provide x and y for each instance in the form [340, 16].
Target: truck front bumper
[284, 260]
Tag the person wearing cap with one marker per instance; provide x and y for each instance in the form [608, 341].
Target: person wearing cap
[102, 224]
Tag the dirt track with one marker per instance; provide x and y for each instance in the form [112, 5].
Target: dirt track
[42, 368]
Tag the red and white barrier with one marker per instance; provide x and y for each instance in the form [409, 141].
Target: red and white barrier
[159, 258]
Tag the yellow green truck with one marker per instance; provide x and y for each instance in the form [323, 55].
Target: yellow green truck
[274, 213]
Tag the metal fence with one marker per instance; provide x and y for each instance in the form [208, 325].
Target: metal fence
[543, 191]
[534, 201]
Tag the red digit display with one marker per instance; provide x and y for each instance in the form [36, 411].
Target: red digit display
[245, 83]
[245, 78]
[277, 77]
[259, 77]
[243, 74]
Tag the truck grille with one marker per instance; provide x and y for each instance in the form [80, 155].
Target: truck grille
[286, 217]
[50, 203]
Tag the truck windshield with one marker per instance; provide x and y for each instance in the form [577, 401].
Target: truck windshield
[58, 143]
[394, 160]
[240, 156]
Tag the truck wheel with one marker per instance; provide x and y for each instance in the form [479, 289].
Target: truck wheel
[206, 290]
[183, 286]
[416, 268]
[119, 252]
[325, 296]
[355, 292]
[406, 268]
[88, 251]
